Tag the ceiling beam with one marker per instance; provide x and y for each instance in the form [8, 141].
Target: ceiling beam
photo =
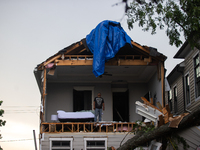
[109, 63]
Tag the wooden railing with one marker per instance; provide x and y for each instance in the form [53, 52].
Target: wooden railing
[87, 127]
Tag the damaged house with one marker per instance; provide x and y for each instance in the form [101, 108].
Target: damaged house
[184, 93]
[106, 61]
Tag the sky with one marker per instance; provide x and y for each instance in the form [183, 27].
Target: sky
[33, 30]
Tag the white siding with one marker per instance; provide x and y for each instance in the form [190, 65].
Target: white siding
[114, 139]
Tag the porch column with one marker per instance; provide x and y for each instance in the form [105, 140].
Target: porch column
[43, 95]
[163, 82]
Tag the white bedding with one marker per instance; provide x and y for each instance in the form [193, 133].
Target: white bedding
[74, 115]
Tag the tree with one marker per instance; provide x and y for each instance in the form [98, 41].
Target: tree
[176, 16]
[2, 122]
[163, 131]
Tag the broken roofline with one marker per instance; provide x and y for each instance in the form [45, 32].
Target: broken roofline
[81, 46]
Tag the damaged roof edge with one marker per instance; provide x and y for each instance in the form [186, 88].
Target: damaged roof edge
[148, 50]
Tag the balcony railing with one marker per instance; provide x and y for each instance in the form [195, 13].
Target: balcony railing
[86, 127]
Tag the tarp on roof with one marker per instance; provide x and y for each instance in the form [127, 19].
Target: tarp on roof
[104, 42]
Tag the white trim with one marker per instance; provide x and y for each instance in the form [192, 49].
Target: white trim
[95, 139]
[195, 56]
[173, 97]
[61, 139]
[195, 98]
[86, 88]
[187, 74]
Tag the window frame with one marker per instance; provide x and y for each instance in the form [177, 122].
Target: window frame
[61, 139]
[175, 98]
[95, 139]
[170, 99]
[187, 90]
[86, 88]
[197, 94]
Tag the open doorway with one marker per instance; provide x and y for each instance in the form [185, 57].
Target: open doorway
[121, 106]
[82, 100]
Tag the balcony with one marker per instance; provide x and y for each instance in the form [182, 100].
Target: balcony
[86, 127]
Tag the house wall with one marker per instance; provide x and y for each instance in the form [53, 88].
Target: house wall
[189, 69]
[136, 91]
[191, 136]
[180, 95]
[155, 88]
[113, 139]
[60, 97]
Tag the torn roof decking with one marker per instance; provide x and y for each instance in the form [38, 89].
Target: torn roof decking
[80, 48]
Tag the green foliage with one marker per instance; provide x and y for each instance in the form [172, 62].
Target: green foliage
[176, 16]
[140, 126]
[2, 122]
[173, 139]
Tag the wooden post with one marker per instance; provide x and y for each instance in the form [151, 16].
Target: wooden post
[44, 93]
[163, 82]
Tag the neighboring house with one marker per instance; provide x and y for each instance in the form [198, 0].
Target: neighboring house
[67, 83]
[184, 81]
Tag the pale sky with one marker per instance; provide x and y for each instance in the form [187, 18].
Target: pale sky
[33, 30]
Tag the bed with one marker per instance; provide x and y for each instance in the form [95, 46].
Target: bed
[84, 116]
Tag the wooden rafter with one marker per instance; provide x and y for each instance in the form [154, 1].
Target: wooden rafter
[81, 50]
[52, 59]
[140, 47]
[73, 47]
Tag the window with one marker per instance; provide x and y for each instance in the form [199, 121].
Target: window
[83, 97]
[175, 100]
[170, 99]
[95, 143]
[197, 76]
[61, 143]
[187, 89]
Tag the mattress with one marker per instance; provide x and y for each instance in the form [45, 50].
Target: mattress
[75, 116]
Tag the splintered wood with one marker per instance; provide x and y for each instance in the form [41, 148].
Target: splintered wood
[167, 115]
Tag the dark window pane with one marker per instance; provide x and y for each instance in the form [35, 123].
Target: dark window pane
[60, 143]
[96, 149]
[95, 143]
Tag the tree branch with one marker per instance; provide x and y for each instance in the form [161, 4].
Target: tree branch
[142, 138]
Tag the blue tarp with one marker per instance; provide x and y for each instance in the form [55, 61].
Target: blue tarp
[104, 42]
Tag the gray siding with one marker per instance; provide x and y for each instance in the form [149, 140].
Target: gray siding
[189, 68]
[113, 139]
[191, 136]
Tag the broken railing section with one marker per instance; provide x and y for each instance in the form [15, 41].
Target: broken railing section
[86, 127]
[159, 116]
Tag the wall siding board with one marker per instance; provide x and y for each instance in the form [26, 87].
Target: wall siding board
[188, 69]
[113, 139]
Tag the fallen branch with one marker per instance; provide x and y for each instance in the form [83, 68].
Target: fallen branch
[141, 137]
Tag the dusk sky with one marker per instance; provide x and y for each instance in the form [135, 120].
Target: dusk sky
[33, 30]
